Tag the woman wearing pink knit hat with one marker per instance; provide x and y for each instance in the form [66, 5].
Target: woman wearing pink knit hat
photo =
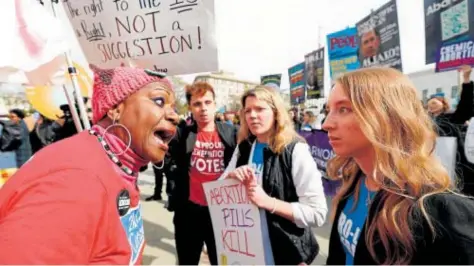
[77, 201]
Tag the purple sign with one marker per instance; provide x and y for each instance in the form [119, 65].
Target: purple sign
[321, 151]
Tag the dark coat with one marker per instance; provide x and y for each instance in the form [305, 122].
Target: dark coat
[453, 218]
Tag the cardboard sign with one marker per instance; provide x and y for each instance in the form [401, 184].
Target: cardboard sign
[172, 36]
[236, 223]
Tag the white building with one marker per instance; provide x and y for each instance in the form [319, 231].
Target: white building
[428, 82]
[228, 88]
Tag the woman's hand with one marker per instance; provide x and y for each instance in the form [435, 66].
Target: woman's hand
[466, 72]
[259, 197]
[243, 173]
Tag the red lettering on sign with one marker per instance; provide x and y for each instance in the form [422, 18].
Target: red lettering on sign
[232, 240]
[233, 194]
[342, 42]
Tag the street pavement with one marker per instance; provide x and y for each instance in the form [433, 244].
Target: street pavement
[159, 234]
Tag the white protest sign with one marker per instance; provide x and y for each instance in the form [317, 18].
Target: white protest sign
[236, 223]
[172, 36]
[469, 142]
[446, 150]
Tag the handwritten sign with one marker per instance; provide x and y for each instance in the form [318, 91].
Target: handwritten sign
[236, 223]
[172, 36]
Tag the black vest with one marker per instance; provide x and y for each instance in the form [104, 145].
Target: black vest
[291, 245]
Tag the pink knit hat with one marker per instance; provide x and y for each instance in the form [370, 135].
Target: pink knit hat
[113, 86]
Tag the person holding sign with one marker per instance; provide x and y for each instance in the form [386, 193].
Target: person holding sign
[77, 201]
[396, 205]
[281, 178]
[449, 125]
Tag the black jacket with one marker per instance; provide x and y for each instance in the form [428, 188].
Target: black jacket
[181, 149]
[23, 153]
[453, 218]
[291, 245]
[452, 124]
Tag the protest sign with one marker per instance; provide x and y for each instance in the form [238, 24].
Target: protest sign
[273, 80]
[47, 99]
[447, 22]
[322, 152]
[342, 52]
[446, 151]
[296, 74]
[379, 38]
[172, 36]
[453, 55]
[236, 223]
[314, 74]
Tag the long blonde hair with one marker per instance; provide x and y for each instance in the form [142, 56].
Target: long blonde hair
[402, 134]
[283, 130]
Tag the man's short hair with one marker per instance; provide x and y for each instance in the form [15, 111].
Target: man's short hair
[198, 89]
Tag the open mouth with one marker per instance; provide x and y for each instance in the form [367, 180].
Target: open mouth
[164, 136]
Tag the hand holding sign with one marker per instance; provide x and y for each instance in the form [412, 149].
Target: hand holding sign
[236, 223]
[244, 174]
[258, 196]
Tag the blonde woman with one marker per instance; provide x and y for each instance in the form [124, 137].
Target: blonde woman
[282, 178]
[395, 205]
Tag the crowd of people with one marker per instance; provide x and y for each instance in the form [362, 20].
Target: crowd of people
[397, 203]
[24, 141]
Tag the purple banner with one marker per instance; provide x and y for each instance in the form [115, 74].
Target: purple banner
[322, 151]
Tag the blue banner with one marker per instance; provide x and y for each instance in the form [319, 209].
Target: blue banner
[296, 77]
[7, 160]
[342, 51]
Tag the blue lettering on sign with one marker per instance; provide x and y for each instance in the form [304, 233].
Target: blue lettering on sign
[132, 223]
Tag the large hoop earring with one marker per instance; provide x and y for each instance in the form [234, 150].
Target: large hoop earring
[128, 132]
[159, 167]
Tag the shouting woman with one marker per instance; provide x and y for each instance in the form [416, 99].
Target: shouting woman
[77, 201]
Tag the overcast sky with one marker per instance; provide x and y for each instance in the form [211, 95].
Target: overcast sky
[258, 37]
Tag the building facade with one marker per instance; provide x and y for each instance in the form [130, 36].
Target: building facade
[228, 89]
[12, 100]
[428, 82]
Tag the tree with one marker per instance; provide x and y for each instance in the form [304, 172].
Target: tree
[234, 103]
[181, 107]
[179, 84]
